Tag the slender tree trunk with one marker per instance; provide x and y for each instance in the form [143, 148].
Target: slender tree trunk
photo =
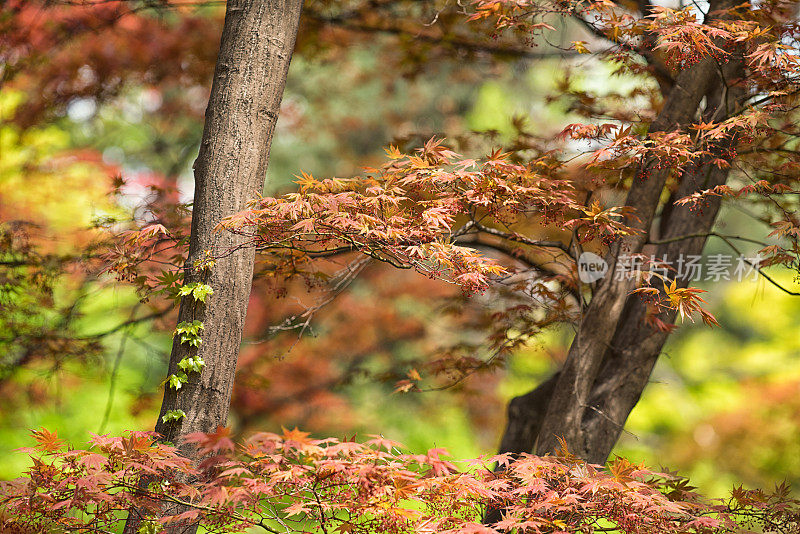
[610, 360]
[258, 38]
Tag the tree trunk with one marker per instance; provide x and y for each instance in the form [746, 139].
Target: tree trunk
[613, 353]
[565, 410]
[258, 39]
[636, 346]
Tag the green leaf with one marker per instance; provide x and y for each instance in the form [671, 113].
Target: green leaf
[190, 332]
[193, 364]
[186, 290]
[170, 283]
[173, 415]
[201, 291]
[197, 290]
[193, 341]
[177, 381]
[150, 526]
[206, 262]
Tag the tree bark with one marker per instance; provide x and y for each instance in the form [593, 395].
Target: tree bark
[613, 353]
[570, 398]
[636, 346]
[258, 39]
[630, 357]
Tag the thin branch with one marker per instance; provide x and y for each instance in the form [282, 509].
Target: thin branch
[727, 239]
[155, 315]
[521, 238]
[460, 43]
[114, 373]
[704, 234]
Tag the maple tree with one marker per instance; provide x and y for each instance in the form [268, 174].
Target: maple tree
[712, 118]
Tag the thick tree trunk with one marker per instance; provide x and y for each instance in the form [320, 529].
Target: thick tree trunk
[257, 43]
[258, 38]
[610, 360]
[570, 398]
[629, 359]
[636, 346]
[630, 356]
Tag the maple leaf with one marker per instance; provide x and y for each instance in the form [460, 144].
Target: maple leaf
[47, 441]
[93, 461]
[404, 386]
[295, 435]
[306, 225]
[295, 439]
[215, 442]
[392, 152]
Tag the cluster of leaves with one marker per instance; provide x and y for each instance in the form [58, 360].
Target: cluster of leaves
[411, 213]
[62, 51]
[188, 333]
[139, 256]
[786, 228]
[685, 300]
[755, 138]
[281, 483]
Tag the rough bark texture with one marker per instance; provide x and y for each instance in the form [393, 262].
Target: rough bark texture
[257, 43]
[258, 38]
[611, 357]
